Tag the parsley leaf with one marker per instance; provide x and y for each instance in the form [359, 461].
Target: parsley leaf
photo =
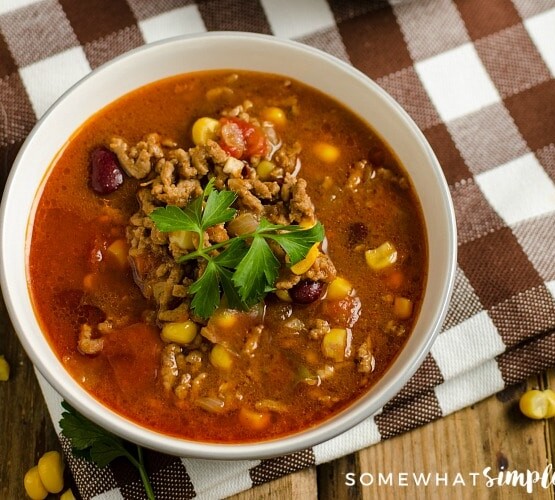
[206, 291]
[296, 241]
[99, 446]
[172, 218]
[257, 272]
[217, 209]
[243, 272]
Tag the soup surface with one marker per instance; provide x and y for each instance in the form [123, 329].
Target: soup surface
[162, 266]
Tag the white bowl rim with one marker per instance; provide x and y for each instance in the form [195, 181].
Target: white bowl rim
[346, 419]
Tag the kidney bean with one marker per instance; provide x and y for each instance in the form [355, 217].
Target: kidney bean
[306, 291]
[105, 173]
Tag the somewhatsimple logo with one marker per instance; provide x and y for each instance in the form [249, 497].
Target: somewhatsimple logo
[528, 479]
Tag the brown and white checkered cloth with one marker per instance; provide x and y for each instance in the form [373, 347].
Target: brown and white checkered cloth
[477, 77]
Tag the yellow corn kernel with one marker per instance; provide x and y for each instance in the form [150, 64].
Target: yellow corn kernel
[225, 318]
[339, 288]
[264, 169]
[183, 239]
[334, 344]
[181, 333]
[119, 250]
[533, 404]
[326, 152]
[254, 419]
[51, 471]
[402, 308]
[550, 395]
[283, 295]
[204, 129]
[33, 485]
[307, 223]
[275, 115]
[4, 369]
[220, 357]
[383, 256]
[304, 265]
[67, 495]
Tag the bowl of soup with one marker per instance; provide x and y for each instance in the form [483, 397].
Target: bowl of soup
[227, 246]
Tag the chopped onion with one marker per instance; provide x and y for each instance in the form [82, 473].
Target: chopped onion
[211, 405]
[243, 224]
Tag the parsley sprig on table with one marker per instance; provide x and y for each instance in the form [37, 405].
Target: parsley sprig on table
[99, 446]
[246, 269]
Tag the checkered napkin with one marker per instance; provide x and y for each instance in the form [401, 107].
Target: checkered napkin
[477, 77]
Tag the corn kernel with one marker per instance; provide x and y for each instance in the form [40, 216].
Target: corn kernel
[264, 169]
[221, 358]
[181, 333]
[402, 308]
[67, 495]
[307, 223]
[534, 404]
[335, 343]
[183, 239]
[326, 152]
[119, 250]
[4, 369]
[33, 485]
[304, 265]
[253, 419]
[275, 115]
[550, 395]
[204, 129]
[383, 256]
[225, 318]
[339, 288]
[51, 471]
[283, 295]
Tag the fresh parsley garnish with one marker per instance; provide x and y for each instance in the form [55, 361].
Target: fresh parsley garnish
[99, 446]
[246, 268]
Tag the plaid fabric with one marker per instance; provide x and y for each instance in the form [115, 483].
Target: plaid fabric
[478, 79]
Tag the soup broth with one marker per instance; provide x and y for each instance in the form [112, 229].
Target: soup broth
[116, 303]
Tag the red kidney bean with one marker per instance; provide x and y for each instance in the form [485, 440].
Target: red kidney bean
[105, 173]
[306, 291]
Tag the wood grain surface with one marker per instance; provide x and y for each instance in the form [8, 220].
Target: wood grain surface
[492, 434]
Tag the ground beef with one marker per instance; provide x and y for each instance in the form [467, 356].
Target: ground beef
[247, 200]
[300, 206]
[172, 175]
[137, 160]
[287, 156]
[322, 269]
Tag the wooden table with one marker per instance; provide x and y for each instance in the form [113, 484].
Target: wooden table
[492, 434]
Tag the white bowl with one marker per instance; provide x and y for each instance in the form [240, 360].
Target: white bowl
[226, 50]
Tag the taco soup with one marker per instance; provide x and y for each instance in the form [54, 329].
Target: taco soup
[227, 256]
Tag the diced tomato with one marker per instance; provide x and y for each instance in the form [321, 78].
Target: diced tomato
[241, 139]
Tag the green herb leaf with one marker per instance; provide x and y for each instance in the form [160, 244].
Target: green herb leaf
[172, 218]
[257, 272]
[230, 290]
[233, 254]
[298, 242]
[244, 273]
[217, 208]
[105, 450]
[206, 291]
[99, 446]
